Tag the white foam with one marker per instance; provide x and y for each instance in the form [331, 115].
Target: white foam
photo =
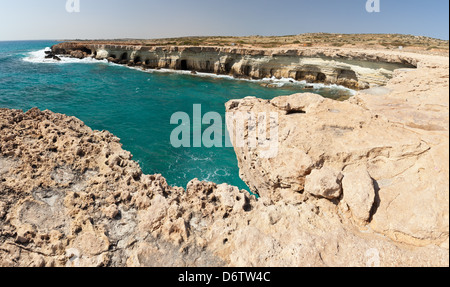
[39, 58]
[272, 81]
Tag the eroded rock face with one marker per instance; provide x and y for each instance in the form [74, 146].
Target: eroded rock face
[391, 145]
[70, 196]
[313, 65]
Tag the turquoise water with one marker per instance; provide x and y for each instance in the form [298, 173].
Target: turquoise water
[134, 105]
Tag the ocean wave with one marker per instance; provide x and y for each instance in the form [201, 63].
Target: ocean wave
[39, 58]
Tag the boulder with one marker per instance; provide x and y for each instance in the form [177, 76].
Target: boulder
[359, 192]
[325, 183]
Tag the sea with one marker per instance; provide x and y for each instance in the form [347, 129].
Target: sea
[137, 105]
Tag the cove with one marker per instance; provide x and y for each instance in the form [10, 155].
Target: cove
[135, 106]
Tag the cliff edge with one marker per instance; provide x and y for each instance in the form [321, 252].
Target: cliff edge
[357, 69]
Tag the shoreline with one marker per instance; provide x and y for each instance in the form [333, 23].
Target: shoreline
[391, 144]
[277, 82]
[313, 65]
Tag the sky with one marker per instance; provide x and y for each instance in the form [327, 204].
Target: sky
[145, 19]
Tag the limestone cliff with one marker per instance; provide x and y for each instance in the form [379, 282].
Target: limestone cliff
[381, 157]
[352, 69]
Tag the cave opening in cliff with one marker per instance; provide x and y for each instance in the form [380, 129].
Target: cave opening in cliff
[299, 75]
[86, 50]
[183, 65]
[321, 77]
[247, 70]
[137, 59]
[228, 67]
[348, 75]
[124, 56]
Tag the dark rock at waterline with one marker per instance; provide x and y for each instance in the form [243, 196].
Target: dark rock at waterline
[78, 54]
[193, 72]
[51, 55]
[113, 60]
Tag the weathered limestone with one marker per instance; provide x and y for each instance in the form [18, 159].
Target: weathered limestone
[70, 196]
[323, 65]
[359, 192]
[324, 183]
[63, 207]
[391, 144]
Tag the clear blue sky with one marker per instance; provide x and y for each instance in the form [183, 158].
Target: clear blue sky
[48, 19]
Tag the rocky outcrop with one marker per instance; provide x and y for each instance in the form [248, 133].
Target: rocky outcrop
[51, 55]
[390, 144]
[352, 69]
[357, 183]
[70, 196]
[360, 193]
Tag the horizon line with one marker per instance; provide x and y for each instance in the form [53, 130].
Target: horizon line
[209, 36]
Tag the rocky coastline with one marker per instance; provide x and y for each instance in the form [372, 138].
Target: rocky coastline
[356, 70]
[355, 183]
